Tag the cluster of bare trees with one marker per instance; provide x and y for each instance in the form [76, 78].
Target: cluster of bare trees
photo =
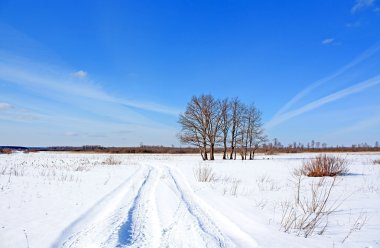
[209, 123]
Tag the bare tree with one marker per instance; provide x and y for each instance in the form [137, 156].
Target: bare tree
[209, 122]
[250, 132]
[244, 131]
[256, 131]
[225, 124]
[236, 107]
[201, 124]
[194, 126]
[213, 113]
[259, 139]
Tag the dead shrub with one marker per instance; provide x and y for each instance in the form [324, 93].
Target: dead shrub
[266, 183]
[309, 215]
[3, 169]
[111, 160]
[324, 165]
[376, 161]
[234, 187]
[204, 173]
[360, 221]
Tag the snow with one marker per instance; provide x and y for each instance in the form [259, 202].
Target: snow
[80, 200]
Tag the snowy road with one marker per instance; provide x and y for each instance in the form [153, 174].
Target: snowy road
[154, 207]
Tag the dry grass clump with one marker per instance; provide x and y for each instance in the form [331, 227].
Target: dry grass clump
[6, 151]
[266, 183]
[231, 185]
[204, 173]
[325, 165]
[111, 160]
[376, 161]
[309, 215]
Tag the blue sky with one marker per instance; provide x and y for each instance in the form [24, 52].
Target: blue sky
[118, 73]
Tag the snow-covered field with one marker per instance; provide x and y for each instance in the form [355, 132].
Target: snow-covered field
[96, 200]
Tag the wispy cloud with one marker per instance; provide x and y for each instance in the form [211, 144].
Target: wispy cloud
[303, 93]
[328, 41]
[84, 134]
[361, 125]
[324, 100]
[364, 129]
[17, 116]
[5, 106]
[356, 24]
[80, 74]
[12, 113]
[47, 79]
[362, 4]
[71, 134]
[63, 106]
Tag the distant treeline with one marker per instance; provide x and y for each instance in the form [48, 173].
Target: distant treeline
[274, 150]
[139, 149]
[268, 150]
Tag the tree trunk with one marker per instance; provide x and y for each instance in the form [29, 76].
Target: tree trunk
[203, 157]
[225, 148]
[201, 151]
[212, 151]
[205, 150]
[232, 150]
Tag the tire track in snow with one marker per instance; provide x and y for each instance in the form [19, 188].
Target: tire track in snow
[99, 226]
[98, 212]
[142, 228]
[201, 224]
[131, 218]
[204, 217]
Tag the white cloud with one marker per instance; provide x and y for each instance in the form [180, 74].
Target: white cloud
[80, 74]
[309, 89]
[362, 4]
[324, 100]
[5, 106]
[50, 81]
[328, 41]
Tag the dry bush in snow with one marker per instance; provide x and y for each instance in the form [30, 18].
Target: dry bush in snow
[234, 187]
[376, 161]
[325, 165]
[204, 173]
[358, 224]
[266, 183]
[111, 160]
[50, 169]
[231, 185]
[308, 214]
[3, 169]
